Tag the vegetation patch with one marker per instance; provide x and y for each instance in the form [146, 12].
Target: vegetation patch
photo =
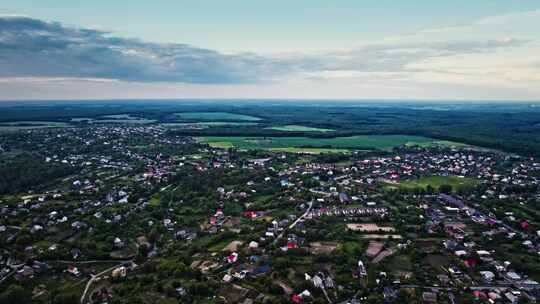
[359, 142]
[216, 116]
[435, 182]
[206, 125]
[28, 125]
[299, 128]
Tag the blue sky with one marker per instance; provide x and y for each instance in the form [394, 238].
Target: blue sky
[270, 49]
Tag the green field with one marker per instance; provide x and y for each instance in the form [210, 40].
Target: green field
[125, 121]
[358, 142]
[215, 116]
[205, 125]
[298, 128]
[27, 125]
[120, 118]
[309, 150]
[437, 181]
[124, 118]
[444, 143]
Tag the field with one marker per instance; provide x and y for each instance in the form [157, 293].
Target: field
[27, 125]
[298, 128]
[309, 150]
[120, 118]
[205, 125]
[216, 116]
[315, 144]
[445, 143]
[436, 181]
[126, 121]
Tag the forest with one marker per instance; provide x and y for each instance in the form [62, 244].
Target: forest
[27, 171]
[512, 127]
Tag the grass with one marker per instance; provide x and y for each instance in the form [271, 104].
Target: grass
[28, 125]
[298, 128]
[442, 143]
[309, 150]
[126, 121]
[216, 116]
[358, 142]
[124, 118]
[437, 181]
[399, 263]
[206, 125]
[120, 118]
[154, 201]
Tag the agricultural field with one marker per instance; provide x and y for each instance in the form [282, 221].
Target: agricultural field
[299, 128]
[309, 150]
[120, 118]
[27, 125]
[444, 143]
[206, 125]
[437, 181]
[216, 116]
[358, 142]
[124, 118]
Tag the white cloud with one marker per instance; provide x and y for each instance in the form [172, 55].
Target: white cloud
[49, 57]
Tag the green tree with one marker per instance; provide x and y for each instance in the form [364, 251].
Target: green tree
[15, 294]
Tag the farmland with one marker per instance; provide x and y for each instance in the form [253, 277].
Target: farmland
[215, 116]
[26, 125]
[205, 125]
[359, 142]
[299, 128]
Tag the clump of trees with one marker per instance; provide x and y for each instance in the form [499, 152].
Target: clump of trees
[27, 171]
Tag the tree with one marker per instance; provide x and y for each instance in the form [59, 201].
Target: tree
[66, 298]
[445, 189]
[15, 294]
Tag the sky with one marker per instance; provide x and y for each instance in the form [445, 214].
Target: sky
[302, 49]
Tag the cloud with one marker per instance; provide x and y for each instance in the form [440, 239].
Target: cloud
[32, 48]
[504, 19]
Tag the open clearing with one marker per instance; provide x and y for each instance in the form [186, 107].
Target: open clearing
[304, 144]
[298, 128]
[215, 116]
[436, 181]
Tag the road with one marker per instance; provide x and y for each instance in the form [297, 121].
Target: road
[94, 277]
[291, 226]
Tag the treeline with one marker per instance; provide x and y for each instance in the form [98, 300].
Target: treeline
[26, 171]
[507, 127]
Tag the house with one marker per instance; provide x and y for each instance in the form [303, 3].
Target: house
[511, 297]
[512, 276]
[118, 243]
[24, 273]
[429, 297]
[232, 258]
[488, 276]
[119, 272]
[227, 278]
[74, 271]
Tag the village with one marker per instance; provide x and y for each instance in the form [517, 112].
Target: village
[142, 209]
